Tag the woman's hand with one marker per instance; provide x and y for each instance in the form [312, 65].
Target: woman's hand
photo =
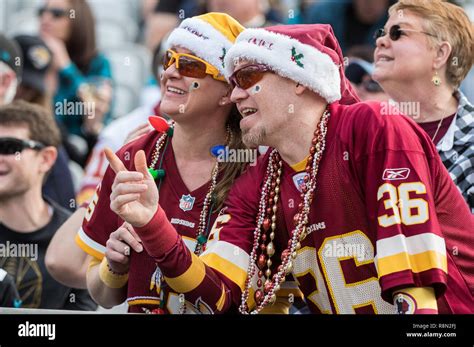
[134, 196]
[61, 57]
[118, 245]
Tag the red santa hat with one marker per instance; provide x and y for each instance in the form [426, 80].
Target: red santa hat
[308, 54]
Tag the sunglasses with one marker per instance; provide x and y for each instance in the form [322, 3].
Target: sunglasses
[248, 76]
[190, 66]
[371, 86]
[396, 32]
[54, 11]
[10, 145]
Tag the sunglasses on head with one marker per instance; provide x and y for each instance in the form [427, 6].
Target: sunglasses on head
[55, 12]
[396, 32]
[248, 76]
[10, 145]
[190, 66]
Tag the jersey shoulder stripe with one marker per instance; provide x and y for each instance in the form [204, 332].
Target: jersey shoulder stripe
[228, 259]
[190, 279]
[89, 246]
[417, 253]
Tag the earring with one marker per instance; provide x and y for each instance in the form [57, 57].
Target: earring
[436, 79]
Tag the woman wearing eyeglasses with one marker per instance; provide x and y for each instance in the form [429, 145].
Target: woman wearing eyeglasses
[192, 183]
[82, 74]
[424, 52]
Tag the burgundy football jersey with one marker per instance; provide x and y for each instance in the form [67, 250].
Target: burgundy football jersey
[385, 216]
[146, 288]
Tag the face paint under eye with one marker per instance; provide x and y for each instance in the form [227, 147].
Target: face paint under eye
[194, 85]
[255, 89]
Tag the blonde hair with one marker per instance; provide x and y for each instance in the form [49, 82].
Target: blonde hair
[447, 22]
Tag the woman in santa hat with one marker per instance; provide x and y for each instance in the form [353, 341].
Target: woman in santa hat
[180, 165]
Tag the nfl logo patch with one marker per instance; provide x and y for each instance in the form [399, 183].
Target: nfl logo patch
[187, 202]
[298, 180]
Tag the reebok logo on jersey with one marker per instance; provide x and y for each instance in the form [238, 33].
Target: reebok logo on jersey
[395, 174]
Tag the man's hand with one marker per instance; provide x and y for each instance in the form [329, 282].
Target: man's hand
[134, 195]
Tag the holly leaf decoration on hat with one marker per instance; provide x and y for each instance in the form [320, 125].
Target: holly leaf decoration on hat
[221, 58]
[296, 57]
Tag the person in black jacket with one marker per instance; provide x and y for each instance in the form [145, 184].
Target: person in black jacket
[28, 150]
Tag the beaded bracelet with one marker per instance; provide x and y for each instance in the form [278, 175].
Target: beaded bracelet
[110, 278]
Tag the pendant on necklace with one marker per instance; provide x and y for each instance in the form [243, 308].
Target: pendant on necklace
[156, 174]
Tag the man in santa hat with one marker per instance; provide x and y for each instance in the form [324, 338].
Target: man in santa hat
[351, 199]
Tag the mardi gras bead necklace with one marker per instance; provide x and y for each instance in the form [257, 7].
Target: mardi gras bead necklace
[160, 124]
[263, 248]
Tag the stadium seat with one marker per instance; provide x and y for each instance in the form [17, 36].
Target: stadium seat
[122, 10]
[126, 99]
[77, 174]
[19, 5]
[112, 33]
[130, 64]
[24, 21]
[3, 16]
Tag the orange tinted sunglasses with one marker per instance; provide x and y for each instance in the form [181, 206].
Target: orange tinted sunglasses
[190, 66]
[248, 76]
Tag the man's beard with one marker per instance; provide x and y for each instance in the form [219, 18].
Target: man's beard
[254, 137]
